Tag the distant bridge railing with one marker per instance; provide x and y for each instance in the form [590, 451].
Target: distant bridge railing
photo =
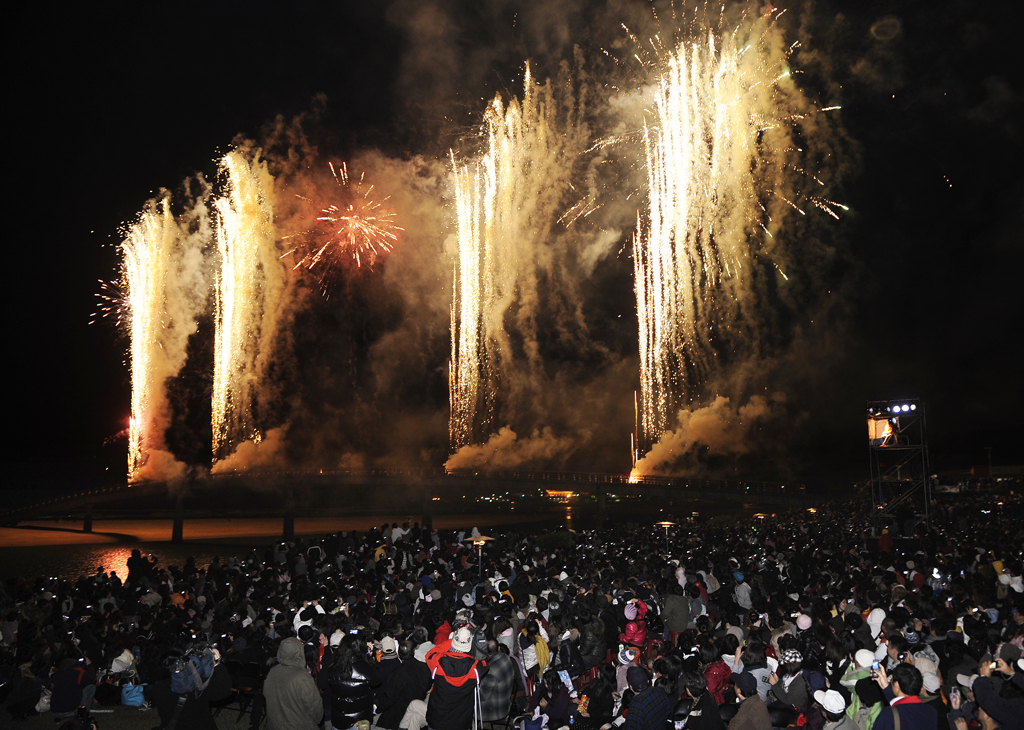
[529, 476]
[436, 476]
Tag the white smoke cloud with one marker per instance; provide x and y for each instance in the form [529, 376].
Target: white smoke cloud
[162, 466]
[268, 453]
[504, 450]
[718, 429]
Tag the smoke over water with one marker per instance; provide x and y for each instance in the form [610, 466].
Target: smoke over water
[719, 429]
[495, 329]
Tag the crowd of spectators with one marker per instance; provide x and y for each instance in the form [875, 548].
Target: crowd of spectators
[795, 619]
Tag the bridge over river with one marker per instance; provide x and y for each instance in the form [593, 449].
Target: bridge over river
[413, 491]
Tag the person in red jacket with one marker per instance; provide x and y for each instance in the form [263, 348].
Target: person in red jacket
[636, 626]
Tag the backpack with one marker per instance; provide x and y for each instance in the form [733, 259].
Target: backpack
[191, 673]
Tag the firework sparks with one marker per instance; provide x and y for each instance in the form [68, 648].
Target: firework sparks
[507, 204]
[148, 254]
[716, 150]
[248, 298]
[359, 229]
[114, 303]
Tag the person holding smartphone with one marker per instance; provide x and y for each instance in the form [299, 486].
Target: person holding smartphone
[902, 688]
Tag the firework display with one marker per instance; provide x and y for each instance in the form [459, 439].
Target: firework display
[713, 157]
[249, 288]
[718, 148]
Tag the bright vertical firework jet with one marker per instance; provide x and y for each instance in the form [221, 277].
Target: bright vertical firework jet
[162, 292]
[507, 204]
[146, 253]
[718, 157]
[249, 290]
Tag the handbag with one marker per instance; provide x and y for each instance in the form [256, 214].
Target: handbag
[133, 695]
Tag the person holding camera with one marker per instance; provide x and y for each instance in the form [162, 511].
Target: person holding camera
[905, 711]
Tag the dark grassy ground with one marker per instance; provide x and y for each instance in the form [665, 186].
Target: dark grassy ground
[122, 718]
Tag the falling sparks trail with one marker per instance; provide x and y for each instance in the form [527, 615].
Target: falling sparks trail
[249, 293]
[717, 148]
[508, 203]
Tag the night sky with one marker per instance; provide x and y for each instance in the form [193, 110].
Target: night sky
[112, 102]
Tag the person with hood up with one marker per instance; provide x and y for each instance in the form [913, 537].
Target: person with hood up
[636, 627]
[456, 677]
[293, 701]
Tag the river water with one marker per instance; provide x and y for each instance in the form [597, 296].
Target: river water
[49, 548]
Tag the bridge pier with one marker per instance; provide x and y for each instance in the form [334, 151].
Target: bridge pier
[87, 522]
[602, 503]
[178, 529]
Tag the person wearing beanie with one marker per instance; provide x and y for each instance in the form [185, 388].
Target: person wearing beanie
[742, 592]
[626, 658]
[752, 713]
[636, 627]
[787, 682]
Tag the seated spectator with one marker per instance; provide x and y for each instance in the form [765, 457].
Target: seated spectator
[902, 693]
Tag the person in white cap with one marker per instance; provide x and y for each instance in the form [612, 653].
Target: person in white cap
[833, 706]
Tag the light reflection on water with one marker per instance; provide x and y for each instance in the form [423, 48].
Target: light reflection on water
[72, 561]
[38, 553]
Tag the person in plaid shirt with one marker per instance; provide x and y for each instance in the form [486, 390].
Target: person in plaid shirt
[496, 686]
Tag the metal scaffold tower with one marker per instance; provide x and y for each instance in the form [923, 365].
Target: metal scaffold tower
[898, 451]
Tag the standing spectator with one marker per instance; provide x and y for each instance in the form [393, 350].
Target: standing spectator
[676, 613]
[293, 702]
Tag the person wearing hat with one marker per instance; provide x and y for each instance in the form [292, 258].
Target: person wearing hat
[388, 663]
[651, 705]
[787, 682]
[409, 684]
[636, 627]
[742, 592]
[903, 689]
[752, 713]
[833, 706]
[456, 677]
[626, 658]
[885, 542]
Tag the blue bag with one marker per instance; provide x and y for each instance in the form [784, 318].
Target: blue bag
[132, 695]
